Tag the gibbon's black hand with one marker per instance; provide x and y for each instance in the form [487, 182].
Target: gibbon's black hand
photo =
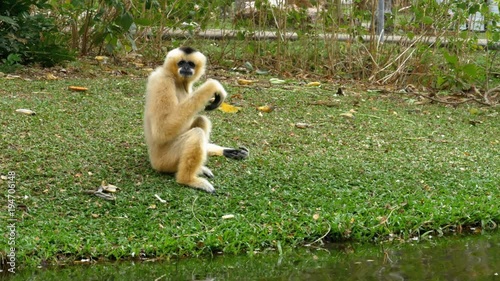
[237, 154]
[216, 103]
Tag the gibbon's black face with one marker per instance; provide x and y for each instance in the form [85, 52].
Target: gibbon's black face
[186, 68]
[187, 64]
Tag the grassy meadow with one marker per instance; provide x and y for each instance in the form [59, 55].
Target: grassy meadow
[366, 166]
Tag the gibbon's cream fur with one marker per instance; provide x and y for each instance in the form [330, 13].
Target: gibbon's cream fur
[176, 136]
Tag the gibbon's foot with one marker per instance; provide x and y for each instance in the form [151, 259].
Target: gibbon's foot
[199, 183]
[206, 172]
[237, 154]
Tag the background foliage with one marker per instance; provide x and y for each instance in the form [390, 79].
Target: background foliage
[28, 35]
[306, 36]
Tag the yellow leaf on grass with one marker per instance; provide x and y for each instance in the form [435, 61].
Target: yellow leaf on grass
[101, 58]
[50, 76]
[265, 108]
[77, 88]
[246, 82]
[347, 115]
[225, 107]
[313, 84]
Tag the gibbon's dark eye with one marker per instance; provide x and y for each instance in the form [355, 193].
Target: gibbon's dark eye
[184, 63]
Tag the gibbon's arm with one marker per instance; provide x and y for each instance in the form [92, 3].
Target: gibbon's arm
[197, 101]
[163, 117]
[174, 120]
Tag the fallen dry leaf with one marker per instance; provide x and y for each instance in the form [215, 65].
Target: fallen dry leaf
[302, 125]
[245, 82]
[51, 76]
[225, 107]
[265, 108]
[276, 81]
[101, 59]
[25, 111]
[10, 77]
[110, 188]
[347, 114]
[313, 84]
[77, 88]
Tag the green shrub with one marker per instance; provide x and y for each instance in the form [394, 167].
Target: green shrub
[30, 35]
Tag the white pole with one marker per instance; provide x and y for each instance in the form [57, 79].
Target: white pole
[380, 20]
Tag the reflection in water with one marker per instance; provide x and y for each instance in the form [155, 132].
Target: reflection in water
[464, 258]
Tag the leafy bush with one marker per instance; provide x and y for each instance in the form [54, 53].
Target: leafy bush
[104, 24]
[30, 37]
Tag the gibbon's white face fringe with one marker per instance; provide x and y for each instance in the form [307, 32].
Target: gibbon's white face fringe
[176, 135]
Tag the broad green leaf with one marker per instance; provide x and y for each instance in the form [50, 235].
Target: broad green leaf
[125, 21]
[470, 69]
[440, 81]
[427, 20]
[143, 21]
[452, 59]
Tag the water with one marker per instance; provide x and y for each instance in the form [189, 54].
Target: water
[454, 258]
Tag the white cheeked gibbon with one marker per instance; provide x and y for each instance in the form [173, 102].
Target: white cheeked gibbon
[176, 136]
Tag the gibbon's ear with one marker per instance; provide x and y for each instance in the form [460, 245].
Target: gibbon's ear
[215, 103]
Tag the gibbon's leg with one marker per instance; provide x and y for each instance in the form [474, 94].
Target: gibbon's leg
[228, 152]
[204, 123]
[192, 157]
[215, 150]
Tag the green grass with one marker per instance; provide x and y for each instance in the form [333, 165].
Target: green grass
[396, 169]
